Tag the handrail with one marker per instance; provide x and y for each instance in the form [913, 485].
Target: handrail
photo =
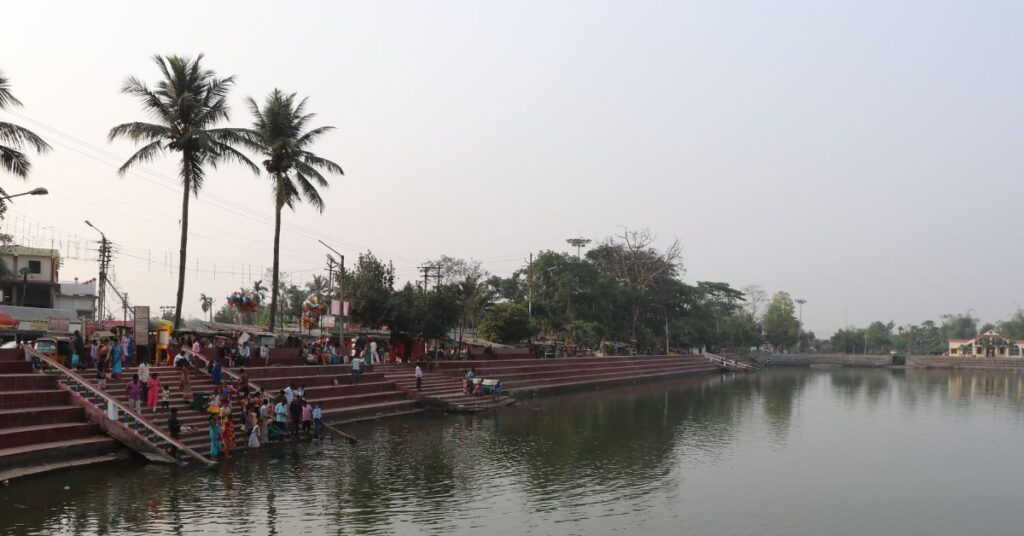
[228, 371]
[61, 369]
[726, 362]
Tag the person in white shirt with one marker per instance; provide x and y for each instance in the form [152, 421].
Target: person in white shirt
[265, 354]
[419, 377]
[289, 394]
[374, 358]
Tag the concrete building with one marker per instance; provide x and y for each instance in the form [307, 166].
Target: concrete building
[988, 344]
[31, 276]
[79, 298]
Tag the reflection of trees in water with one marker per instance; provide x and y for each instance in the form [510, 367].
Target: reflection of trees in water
[849, 385]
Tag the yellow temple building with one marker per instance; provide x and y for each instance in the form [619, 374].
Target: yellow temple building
[988, 344]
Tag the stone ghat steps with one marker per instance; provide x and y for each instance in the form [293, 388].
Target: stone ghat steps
[255, 373]
[435, 385]
[541, 369]
[41, 430]
[569, 361]
[16, 417]
[33, 398]
[26, 460]
[536, 375]
[277, 383]
[15, 367]
[606, 380]
[517, 374]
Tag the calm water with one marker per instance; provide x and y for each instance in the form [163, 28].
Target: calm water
[784, 452]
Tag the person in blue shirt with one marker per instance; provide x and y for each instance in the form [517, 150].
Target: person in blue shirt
[318, 415]
[280, 419]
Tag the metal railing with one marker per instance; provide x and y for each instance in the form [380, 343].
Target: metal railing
[122, 415]
[730, 364]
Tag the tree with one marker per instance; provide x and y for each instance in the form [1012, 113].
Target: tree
[781, 327]
[186, 105]
[878, 337]
[14, 140]
[755, 299]
[281, 133]
[206, 302]
[1014, 326]
[632, 260]
[959, 326]
[226, 314]
[369, 287]
[506, 323]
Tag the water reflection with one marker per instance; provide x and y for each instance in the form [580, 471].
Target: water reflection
[582, 463]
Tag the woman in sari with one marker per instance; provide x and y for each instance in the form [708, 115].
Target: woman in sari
[215, 373]
[227, 434]
[115, 360]
[215, 433]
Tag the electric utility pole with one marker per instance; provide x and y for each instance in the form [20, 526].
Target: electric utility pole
[341, 292]
[104, 258]
[578, 243]
[426, 268]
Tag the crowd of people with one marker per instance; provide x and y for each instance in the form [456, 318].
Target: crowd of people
[264, 418]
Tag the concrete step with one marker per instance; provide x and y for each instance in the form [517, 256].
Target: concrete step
[15, 367]
[26, 382]
[19, 417]
[45, 433]
[50, 466]
[85, 447]
[31, 398]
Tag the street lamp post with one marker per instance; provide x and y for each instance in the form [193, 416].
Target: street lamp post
[36, 191]
[341, 294]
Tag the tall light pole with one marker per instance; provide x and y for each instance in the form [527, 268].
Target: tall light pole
[800, 328]
[578, 243]
[36, 191]
[341, 294]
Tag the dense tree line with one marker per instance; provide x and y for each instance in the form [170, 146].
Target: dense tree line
[928, 337]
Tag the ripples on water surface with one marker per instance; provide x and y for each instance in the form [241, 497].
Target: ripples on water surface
[844, 451]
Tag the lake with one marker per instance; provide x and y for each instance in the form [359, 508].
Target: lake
[781, 452]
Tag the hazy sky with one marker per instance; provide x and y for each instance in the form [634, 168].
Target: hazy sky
[862, 155]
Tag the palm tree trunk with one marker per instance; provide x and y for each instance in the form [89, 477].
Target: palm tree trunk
[277, 262]
[184, 240]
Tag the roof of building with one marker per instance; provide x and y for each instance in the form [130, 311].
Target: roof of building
[27, 251]
[78, 289]
[36, 313]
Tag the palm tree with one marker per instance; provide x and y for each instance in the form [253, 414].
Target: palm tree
[14, 139]
[259, 290]
[206, 302]
[185, 104]
[280, 133]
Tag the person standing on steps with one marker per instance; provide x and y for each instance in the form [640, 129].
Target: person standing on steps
[134, 393]
[153, 391]
[182, 364]
[357, 369]
[265, 356]
[101, 367]
[143, 373]
[374, 357]
[419, 377]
